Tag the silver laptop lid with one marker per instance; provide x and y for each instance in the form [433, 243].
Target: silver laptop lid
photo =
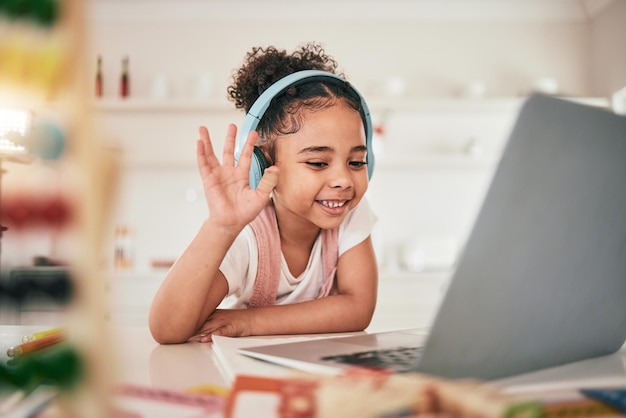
[542, 279]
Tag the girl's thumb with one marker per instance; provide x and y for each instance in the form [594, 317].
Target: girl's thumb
[269, 180]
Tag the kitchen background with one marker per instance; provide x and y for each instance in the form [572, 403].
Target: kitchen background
[443, 79]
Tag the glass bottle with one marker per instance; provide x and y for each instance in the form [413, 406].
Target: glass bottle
[123, 248]
[124, 80]
[99, 78]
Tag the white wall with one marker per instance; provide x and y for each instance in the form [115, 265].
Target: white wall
[434, 58]
[608, 54]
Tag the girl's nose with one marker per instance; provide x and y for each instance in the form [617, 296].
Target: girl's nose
[340, 178]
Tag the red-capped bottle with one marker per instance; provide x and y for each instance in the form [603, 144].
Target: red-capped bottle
[99, 78]
[125, 80]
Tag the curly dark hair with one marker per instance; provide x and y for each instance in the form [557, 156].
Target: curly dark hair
[265, 66]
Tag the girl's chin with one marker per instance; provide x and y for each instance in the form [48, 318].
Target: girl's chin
[330, 223]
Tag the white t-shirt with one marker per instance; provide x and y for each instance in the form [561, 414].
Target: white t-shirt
[241, 262]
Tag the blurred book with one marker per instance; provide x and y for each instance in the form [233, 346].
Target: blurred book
[136, 401]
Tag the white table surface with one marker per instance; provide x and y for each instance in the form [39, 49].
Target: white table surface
[138, 359]
[173, 366]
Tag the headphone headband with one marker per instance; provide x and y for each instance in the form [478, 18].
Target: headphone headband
[260, 106]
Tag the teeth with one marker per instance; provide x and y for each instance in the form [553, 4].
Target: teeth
[332, 204]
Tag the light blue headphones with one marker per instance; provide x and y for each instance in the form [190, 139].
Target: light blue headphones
[259, 162]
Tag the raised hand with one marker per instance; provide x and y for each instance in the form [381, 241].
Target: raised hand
[232, 203]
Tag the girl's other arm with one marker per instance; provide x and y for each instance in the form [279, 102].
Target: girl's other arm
[192, 288]
[194, 285]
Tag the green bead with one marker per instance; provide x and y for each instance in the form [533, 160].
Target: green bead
[42, 12]
[17, 9]
[46, 12]
[60, 365]
[19, 374]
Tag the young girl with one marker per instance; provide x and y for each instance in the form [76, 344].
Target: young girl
[295, 253]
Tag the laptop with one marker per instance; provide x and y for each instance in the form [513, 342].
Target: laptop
[541, 280]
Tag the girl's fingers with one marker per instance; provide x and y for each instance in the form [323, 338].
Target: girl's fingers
[201, 156]
[228, 156]
[207, 161]
[202, 338]
[247, 151]
[204, 150]
[269, 180]
[205, 138]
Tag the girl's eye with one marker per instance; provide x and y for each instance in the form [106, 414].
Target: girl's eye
[358, 164]
[316, 164]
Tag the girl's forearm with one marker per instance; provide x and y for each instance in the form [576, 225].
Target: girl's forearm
[181, 304]
[335, 313]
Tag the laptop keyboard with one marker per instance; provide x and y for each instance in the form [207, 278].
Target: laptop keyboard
[399, 360]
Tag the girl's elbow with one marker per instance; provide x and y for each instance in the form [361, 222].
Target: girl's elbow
[157, 334]
[363, 313]
[165, 341]
[363, 321]
[162, 335]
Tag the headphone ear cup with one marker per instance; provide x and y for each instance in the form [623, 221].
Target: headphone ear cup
[258, 164]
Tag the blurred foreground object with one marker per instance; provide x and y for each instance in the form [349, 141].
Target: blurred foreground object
[375, 394]
[42, 60]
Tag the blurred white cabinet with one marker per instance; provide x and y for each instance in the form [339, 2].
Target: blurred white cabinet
[408, 300]
[130, 294]
[405, 300]
[162, 133]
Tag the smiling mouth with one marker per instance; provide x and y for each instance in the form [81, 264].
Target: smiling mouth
[332, 203]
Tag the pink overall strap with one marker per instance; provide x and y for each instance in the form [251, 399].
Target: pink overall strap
[330, 257]
[265, 229]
